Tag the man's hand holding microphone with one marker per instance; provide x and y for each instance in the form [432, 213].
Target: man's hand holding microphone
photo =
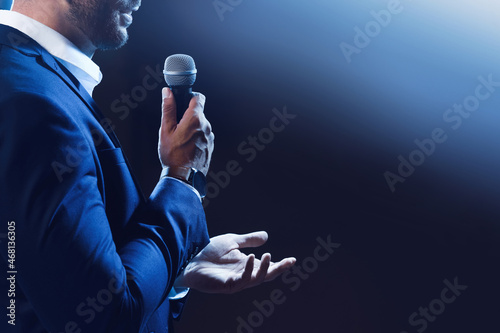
[185, 149]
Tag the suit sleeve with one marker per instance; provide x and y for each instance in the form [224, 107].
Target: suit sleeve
[75, 275]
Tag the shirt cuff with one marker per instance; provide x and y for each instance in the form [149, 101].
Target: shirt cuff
[192, 188]
[177, 293]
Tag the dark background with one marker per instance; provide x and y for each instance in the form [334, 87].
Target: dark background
[324, 173]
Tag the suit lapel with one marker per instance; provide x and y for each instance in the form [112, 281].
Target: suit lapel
[78, 89]
[64, 74]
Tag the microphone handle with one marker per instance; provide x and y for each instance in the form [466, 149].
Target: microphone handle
[182, 95]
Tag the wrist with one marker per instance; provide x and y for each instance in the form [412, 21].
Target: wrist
[181, 173]
[180, 282]
[190, 176]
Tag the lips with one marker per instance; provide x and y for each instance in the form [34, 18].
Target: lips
[129, 11]
[132, 7]
[126, 13]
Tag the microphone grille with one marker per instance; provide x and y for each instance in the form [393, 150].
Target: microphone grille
[180, 70]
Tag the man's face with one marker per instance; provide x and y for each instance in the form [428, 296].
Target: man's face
[104, 22]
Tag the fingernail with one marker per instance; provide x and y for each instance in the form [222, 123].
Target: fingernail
[165, 92]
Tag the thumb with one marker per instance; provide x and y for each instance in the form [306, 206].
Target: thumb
[254, 239]
[168, 108]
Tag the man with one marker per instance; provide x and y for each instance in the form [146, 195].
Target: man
[86, 252]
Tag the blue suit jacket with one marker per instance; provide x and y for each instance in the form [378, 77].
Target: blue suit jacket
[91, 253]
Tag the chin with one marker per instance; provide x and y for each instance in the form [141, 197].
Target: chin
[113, 44]
[112, 37]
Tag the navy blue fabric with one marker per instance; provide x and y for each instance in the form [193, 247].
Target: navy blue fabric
[92, 254]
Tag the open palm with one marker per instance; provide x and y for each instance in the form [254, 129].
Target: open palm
[222, 268]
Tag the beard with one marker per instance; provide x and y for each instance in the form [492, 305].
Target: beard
[101, 21]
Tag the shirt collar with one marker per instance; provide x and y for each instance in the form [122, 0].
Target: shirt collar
[82, 67]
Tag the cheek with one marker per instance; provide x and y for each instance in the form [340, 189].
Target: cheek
[106, 12]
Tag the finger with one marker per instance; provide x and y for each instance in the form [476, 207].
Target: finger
[277, 269]
[254, 239]
[247, 273]
[265, 262]
[200, 100]
[195, 111]
[206, 127]
[196, 104]
[168, 108]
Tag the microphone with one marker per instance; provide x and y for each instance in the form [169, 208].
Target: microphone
[180, 75]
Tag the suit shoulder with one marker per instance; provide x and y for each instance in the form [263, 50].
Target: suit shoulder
[44, 132]
[31, 92]
[25, 73]
[30, 112]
